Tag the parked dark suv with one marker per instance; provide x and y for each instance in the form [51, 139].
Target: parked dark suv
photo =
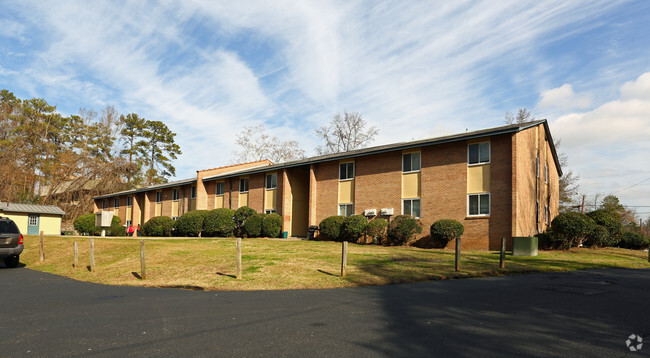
[11, 242]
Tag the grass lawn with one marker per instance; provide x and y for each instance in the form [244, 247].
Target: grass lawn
[209, 263]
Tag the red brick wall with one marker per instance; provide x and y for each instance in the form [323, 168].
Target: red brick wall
[256, 191]
[327, 196]
[378, 182]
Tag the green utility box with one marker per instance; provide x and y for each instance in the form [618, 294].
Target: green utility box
[285, 234]
[524, 246]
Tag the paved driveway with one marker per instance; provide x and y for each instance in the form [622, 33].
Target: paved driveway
[587, 313]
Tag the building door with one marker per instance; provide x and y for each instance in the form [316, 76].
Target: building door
[32, 224]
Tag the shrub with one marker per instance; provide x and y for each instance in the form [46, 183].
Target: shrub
[219, 222]
[158, 226]
[241, 215]
[599, 237]
[353, 227]
[116, 228]
[571, 228]
[376, 229]
[611, 221]
[545, 241]
[330, 227]
[444, 230]
[85, 225]
[253, 225]
[272, 225]
[635, 241]
[402, 230]
[190, 223]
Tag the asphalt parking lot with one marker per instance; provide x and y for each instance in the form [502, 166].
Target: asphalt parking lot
[584, 313]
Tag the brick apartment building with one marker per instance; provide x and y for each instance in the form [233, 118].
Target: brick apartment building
[498, 182]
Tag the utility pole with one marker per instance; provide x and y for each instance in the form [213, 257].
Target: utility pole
[582, 210]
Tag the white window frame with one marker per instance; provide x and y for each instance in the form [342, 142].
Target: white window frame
[116, 203]
[174, 217]
[479, 204]
[193, 192]
[129, 201]
[159, 197]
[411, 200]
[176, 194]
[346, 171]
[104, 204]
[216, 188]
[128, 223]
[242, 180]
[479, 153]
[32, 220]
[266, 181]
[412, 170]
[346, 205]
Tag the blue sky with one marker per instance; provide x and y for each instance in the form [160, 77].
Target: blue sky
[413, 69]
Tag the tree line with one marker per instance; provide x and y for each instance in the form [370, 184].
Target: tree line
[48, 158]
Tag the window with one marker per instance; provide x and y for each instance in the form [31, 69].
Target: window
[411, 162]
[478, 153]
[128, 223]
[243, 185]
[346, 171]
[546, 173]
[175, 195]
[193, 192]
[346, 210]
[129, 201]
[174, 217]
[219, 188]
[104, 204]
[411, 207]
[478, 204]
[33, 220]
[271, 181]
[116, 203]
[269, 211]
[159, 197]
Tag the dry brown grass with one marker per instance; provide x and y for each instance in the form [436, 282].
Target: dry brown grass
[209, 263]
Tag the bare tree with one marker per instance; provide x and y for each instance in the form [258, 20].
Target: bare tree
[345, 133]
[523, 116]
[256, 144]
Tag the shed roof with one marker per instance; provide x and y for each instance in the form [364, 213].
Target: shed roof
[30, 208]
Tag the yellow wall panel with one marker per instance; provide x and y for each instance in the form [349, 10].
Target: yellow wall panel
[192, 204]
[175, 208]
[20, 219]
[129, 211]
[270, 199]
[478, 179]
[158, 209]
[411, 185]
[346, 191]
[50, 225]
[219, 202]
[243, 199]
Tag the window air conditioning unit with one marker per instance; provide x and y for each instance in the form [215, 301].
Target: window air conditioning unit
[387, 211]
[370, 212]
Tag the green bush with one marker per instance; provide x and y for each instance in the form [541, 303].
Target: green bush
[219, 222]
[272, 225]
[353, 227]
[253, 225]
[445, 230]
[85, 225]
[158, 226]
[190, 223]
[545, 241]
[330, 228]
[635, 241]
[376, 229]
[241, 215]
[402, 230]
[571, 228]
[116, 228]
[599, 237]
[611, 221]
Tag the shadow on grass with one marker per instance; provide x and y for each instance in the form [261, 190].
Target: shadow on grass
[136, 275]
[327, 273]
[225, 274]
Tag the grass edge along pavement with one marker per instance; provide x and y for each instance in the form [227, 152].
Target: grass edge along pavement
[209, 263]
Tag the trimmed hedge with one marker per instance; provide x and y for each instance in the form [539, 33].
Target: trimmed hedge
[353, 227]
[599, 237]
[253, 225]
[330, 227]
[402, 230]
[635, 241]
[376, 229]
[571, 228]
[190, 223]
[158, 226]
[219, 222]
[116, 228]
[272, 225]
[445, 230]
[85, 225]
[241, 215]
[612, 222]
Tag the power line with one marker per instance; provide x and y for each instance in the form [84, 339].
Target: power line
[632, 186]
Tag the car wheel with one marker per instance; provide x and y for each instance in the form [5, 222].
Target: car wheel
[12, 261]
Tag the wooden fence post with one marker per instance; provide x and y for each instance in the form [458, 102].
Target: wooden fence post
[75, 262]
[92, 255]
[502, 258]
[238, 257]
[41, 249]
[457, 254]
[344, 258]
[143, 267]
